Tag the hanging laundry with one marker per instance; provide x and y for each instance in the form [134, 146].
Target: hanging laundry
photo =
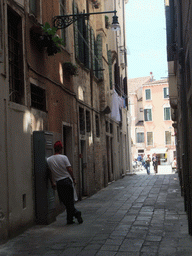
[117, 103]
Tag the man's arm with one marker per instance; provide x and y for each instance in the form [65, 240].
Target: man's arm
[70, 171]
[50, 176]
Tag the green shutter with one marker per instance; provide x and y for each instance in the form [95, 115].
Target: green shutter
[93, 48]
[99, 60]
[80, 39]
[109, 55]
[96, 60]
[87, 51]
[75, 11]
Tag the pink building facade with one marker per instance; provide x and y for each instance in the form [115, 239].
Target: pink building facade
[151, 129]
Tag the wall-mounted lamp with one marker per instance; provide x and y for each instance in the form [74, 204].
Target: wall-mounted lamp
[64, 21]
[115, 24]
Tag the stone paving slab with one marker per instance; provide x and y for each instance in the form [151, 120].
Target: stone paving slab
[139, 215]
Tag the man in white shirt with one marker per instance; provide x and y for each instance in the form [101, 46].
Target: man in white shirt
[62, 178]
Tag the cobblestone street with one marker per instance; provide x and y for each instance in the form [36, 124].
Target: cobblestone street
[138, 215]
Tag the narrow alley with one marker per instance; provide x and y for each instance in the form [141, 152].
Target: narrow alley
[138, 215]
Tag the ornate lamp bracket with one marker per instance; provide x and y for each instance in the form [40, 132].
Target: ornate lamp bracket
[64, 21]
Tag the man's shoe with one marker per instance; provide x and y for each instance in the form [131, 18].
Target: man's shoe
[79, 218]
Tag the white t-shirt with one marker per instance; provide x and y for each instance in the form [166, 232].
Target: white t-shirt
[57, 164]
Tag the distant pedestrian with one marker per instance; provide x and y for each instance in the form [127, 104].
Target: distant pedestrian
[144, 159]
[139, 158]
[154, 160]
[62, 178]
[174, 164]
[147, 164]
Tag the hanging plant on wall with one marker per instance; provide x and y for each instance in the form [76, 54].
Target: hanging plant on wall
[46, 37]
[107, 23]
[96, 4]
[70, 68]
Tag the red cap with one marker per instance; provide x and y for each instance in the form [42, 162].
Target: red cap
[58, 144]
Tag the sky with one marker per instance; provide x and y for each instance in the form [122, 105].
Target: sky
[146, 38]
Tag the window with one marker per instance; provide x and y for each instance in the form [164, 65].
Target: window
[166, 92]
[97, 125]
[167, 114]
[141, 109]
[62, 12]
[167, 137]
[38, 99]
[140, 137]
[15, 51]
[111, 128]
[148, 114]
[148, 94]
[106, 126]
[82, 39]
[109, 55]
[149, 138]
[118, 134]
[82, 121]
[88, 121]
[35, 7]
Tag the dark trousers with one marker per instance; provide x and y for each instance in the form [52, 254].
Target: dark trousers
[66, 196]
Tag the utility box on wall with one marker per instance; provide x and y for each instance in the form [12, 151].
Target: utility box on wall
[44, 194]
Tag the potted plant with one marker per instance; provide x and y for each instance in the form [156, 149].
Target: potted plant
[53, 41]
[96, 4]
[45, 37]
[70, 68]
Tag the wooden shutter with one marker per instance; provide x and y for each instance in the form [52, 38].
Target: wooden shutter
[109, 55]
[75, 11]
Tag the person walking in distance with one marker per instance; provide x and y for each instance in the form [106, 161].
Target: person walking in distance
[147, 163]
[154, 160]
[62, 179]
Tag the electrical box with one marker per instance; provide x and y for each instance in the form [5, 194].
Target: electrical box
[44, 194]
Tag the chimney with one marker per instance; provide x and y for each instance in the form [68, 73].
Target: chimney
[151, 75]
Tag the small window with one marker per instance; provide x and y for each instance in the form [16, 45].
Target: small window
[82, 121]
[149, 138]
[140, 137]
[97, 126]
[35, 8]
[167, 114]
[38, 99]
[148, 114]
[15, 52]
[118, 135]
[88, 121]
[111, 128]
[166, 92]
[106, 126]
[148, 94]
[141, 109]
[167, 138]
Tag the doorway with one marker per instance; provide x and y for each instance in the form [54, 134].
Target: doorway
[83, 165]
[68, 142]
[109, 145]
